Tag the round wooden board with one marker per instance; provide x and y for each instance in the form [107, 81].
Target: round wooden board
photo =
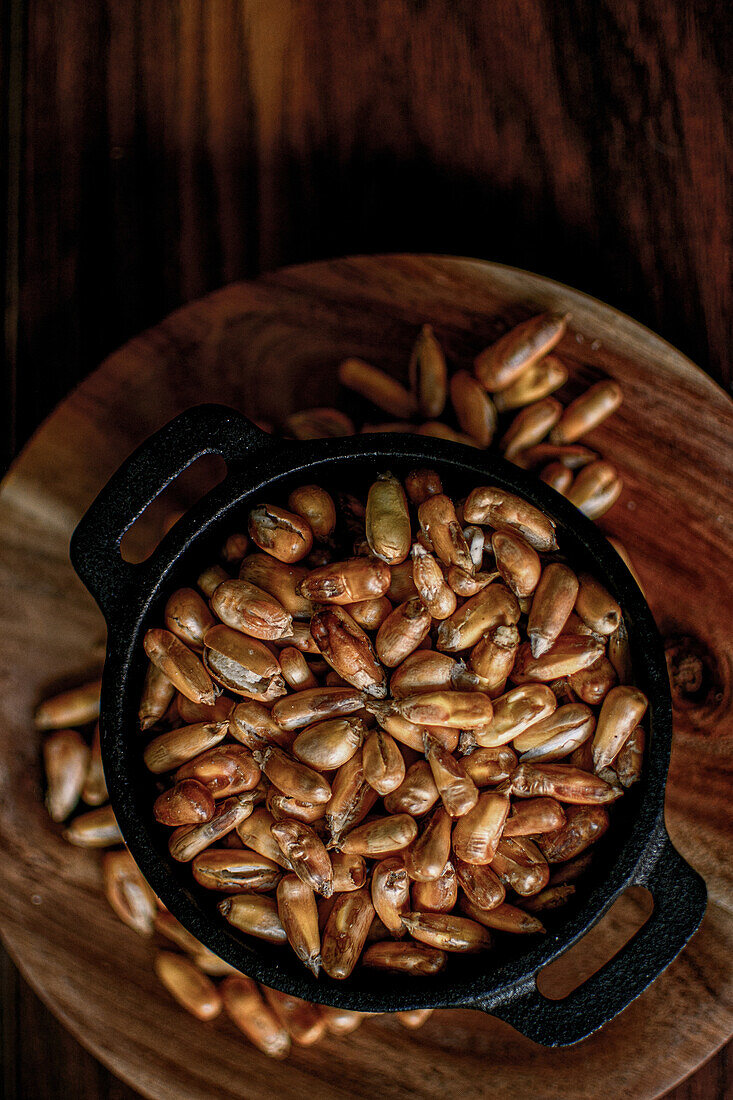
[266, 348]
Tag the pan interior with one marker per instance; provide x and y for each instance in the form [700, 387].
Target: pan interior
[193, 545]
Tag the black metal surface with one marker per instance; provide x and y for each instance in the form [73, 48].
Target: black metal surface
[131, 597]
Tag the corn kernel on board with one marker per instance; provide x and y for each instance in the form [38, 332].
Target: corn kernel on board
[254, 346]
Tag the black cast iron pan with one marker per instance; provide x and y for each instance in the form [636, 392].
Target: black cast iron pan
[637, 850]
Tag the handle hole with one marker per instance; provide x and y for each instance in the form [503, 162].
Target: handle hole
[627, 916]
[140, 540]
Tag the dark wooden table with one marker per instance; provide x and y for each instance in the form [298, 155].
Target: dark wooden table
[152, 152]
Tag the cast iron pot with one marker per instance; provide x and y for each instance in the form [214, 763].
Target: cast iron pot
[132, 597]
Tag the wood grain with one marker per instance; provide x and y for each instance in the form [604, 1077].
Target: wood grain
[254, 346]
[170, 148]
[40, 1058]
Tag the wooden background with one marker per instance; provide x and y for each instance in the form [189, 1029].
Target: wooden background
[154, 150]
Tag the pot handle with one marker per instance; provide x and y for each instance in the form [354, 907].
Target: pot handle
[95, 544]
[679, 903]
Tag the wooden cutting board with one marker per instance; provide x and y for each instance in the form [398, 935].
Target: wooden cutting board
[266, 348]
